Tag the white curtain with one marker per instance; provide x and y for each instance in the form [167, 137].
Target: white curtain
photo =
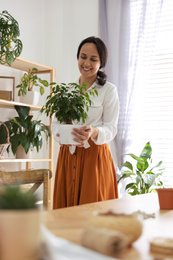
[134, 36]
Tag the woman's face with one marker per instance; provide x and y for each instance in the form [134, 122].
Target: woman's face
[89, 62]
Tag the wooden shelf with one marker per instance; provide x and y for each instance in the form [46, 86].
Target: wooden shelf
[24, 160]
[11, 104]
[25, 65]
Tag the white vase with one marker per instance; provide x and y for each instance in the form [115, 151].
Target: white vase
[31, 98]
[65, 135]
[20, 234]
[20, 153]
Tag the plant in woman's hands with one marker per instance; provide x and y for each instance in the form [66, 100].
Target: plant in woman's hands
[69, 102]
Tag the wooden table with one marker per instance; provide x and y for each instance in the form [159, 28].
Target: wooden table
[69, 222]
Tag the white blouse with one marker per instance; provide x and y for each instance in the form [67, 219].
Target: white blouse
[103, 113]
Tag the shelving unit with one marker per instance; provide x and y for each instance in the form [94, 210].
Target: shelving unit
[25, 65]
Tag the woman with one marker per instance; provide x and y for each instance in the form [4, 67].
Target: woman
[88, 175]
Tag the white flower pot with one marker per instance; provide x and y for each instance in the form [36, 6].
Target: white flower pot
[31, 98]
[20, 153]
[20, 234]
[65, 135]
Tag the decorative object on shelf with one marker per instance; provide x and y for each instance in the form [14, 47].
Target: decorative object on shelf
[19, 224]
[68, 102]
[7, 95]
[165, 196]
[10, 45]
[5, 141]
[28, 81]
[144, 179]
[25, 131]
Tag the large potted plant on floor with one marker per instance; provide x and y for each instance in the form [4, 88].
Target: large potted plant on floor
[69, 103]
[26, 88]
[24, 131]
[19, 224]
[144, 178]
[10, 45]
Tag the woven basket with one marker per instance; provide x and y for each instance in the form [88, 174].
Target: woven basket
[4, 146]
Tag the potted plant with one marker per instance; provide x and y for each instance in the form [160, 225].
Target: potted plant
[25, 131]
[28, 81]
[69, 103]
[19, 224]
[145, 177]
[10, 45]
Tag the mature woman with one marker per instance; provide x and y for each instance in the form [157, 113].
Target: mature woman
[88, 175]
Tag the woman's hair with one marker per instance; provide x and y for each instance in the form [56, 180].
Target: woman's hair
[103, 55]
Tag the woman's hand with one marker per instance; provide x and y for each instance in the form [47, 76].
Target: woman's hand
[83, 134]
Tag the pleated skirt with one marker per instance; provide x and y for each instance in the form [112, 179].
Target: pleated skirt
[86, 176]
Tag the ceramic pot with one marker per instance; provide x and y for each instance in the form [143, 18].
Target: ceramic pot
[20, 153]
[32, 98]
[165, 196]
[65, 135]
[20, 234]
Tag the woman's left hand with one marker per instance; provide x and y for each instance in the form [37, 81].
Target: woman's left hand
[83, 134]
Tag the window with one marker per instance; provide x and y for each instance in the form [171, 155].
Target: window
[156, 114]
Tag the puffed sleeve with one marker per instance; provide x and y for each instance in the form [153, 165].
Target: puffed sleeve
[108, 129]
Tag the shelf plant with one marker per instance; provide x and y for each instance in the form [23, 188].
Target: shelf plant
[68, 102]
[144, 177]
[25, 131]
[29, 80]
[10, 45]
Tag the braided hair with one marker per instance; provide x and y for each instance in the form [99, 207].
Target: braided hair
[103, 55]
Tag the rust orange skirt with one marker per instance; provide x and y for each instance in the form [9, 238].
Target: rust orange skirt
[86, 176]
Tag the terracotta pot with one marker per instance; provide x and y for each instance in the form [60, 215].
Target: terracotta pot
[165, 196]
[65, 135]
[19, 234]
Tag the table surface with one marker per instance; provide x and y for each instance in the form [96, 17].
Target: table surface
[69, 222]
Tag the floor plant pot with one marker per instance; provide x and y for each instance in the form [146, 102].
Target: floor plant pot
[165, 196]
[20, 234]
[32, 98]
[65, 135]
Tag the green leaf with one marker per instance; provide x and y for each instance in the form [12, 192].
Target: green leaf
[149, 179]
[156, 166]
[128, 165]
[146, 152]
[22, 111]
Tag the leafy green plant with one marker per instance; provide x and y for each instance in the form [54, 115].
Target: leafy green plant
[28, 81]
[10, 45]
[25, 131]
[12, 198]
[68, 102]
[144, 177]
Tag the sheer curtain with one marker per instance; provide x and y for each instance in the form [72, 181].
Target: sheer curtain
[138, 27]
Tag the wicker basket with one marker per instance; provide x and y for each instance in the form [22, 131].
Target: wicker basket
[4, 146]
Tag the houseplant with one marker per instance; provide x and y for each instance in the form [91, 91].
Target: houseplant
[145, 178]
[28, 81]
[69, 103]
[10, 45]
[25, 131]
[19, 224]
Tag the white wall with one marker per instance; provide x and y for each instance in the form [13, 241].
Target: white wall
[51, 31]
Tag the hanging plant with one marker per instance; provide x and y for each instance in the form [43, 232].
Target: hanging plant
[10, 45]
